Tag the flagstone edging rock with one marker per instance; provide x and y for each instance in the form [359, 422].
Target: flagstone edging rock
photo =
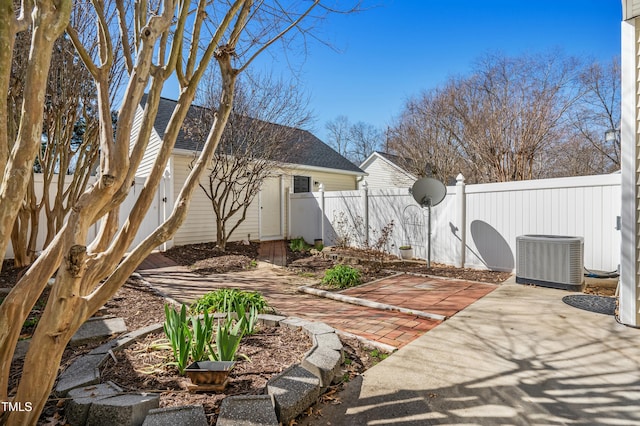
[368, 303]
[287, 395]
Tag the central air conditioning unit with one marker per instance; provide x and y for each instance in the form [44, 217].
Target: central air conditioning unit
[550, 261]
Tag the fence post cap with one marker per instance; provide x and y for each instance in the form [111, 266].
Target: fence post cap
[365, 185]
[321, 187]
[460, 178]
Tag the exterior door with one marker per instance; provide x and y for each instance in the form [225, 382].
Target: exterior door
[271, 209]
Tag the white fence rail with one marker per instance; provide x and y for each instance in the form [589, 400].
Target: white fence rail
[475, 225]
[155, 215]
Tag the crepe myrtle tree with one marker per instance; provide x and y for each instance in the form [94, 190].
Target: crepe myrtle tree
[267, 114]
[158, 39]
[69, 148]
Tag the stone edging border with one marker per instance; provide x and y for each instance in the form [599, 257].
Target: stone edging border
[286, 396]
[369, 304]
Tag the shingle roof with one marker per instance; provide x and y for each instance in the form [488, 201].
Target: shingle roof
[395, 159]
[306, 148]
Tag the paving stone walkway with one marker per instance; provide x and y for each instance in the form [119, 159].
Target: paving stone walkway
[279, 287]
[433, 295]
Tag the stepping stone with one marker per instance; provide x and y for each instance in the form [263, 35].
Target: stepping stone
[80, 400]
[324, 363]
[125, 340]
[83, 372]
[270, 320]
[122, 410]
[315, 328]
[294, 323]
[187, 415]
[247, 410]
[98, 328]
[294, 390]
[329, 341]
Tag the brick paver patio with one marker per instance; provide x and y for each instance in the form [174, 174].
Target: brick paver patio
[279, 287]
[434, 295]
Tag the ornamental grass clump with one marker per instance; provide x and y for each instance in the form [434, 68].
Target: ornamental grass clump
[341, 276]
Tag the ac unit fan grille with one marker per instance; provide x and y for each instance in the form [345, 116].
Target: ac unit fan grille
[555, 261]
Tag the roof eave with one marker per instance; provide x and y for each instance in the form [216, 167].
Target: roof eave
[190, 153]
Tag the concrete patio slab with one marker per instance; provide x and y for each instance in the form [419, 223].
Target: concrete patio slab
[517, 356]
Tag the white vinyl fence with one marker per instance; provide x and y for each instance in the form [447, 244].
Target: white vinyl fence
[475, 225]
[155, 214]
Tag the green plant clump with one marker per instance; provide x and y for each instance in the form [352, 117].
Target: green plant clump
[228, 339]
[202, 333]
[341, 276]
[194, 343]
[380, 356]
[299, 244]
[177, 330]
[227, 299]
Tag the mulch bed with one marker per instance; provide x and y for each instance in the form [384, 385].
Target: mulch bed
[140, 306]
[9, 274]
[372, 268]
[137, 304]
[142, 368]
[207, 258]
[441, 270]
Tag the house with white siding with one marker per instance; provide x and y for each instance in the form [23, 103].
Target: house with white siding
[386, 171]
[311, 162]
[629, 134]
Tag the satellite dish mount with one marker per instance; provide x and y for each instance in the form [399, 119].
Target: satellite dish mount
[428, 192]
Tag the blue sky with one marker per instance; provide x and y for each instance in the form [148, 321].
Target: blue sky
[397, 48]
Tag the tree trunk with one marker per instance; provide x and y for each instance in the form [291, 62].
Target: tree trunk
[25, 229]
[221, 241]
[7, 41]
[59, 322]
[16, 307]
[19, 239]
[49, 23]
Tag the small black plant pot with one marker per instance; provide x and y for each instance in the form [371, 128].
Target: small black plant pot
[209, 375]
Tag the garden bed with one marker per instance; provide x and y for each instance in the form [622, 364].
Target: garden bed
[141, 368]
[207, 258]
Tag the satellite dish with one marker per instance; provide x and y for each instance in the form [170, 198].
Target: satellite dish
[428, 192]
